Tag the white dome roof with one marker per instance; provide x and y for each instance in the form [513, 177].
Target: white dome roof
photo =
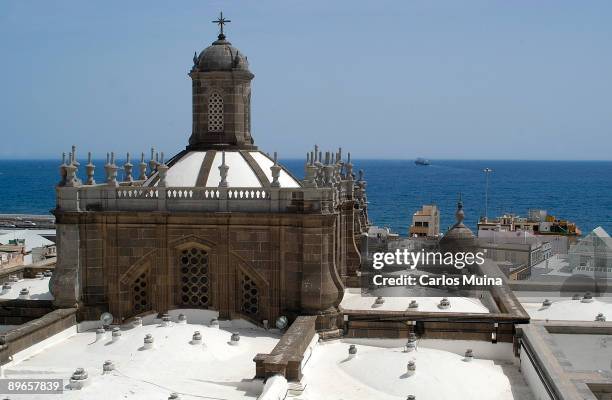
[201, 169]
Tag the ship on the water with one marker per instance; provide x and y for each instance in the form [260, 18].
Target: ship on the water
[421, 161]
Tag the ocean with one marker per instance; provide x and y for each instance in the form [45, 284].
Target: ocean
[580, 191]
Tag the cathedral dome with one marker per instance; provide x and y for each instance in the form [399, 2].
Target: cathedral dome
[245, 169]
[459, 237]
[220, 56]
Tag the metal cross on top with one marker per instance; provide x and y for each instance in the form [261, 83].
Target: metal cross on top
[221, 21]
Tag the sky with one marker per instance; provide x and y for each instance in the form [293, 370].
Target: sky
[385, 79]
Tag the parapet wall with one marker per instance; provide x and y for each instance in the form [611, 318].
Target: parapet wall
[35, 332]
[288, 356]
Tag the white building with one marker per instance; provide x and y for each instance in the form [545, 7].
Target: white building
[426, 222]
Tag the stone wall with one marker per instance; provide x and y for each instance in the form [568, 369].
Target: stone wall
[289, 258]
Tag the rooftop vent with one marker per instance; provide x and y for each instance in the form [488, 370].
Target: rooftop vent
[576, 297]
[148, 341]
[173, 396]
[600, 318]
[235, 339]
[214, 323]
[48, 273]
[6, 287]
[411, 368]
[196, 338]
[107, 367]
[546, 303]
[24, 294]
[469, 355]
[411, 345]
[411, 397]
[413, 304]
[116, 334]
[165, 320]
[588, 298]
[352, 351]
[40, 275]
[378, 302]
[79, 379]
[182, 319]
[444, 304]
[100, 333]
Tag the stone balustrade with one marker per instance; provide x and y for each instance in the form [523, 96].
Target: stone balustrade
[103, 197]
[328, 182]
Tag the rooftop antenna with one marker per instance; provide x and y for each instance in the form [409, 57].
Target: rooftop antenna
[487, 172]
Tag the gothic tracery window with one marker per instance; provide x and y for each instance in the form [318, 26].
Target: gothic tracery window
[140, 294]
[195, 281]
[250, 295]
[215, 112]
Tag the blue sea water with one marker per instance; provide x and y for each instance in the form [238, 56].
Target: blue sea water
[580, 191]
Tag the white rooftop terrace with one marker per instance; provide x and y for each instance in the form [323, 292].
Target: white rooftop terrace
[39, 289]
[379, 371]
[353, 300]
[566, 309]
[214, 369]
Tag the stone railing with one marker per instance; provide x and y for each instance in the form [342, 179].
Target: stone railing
[196, 199]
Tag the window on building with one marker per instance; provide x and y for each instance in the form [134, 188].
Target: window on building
[215, 112]
[194, 277]
[140, 294]
[250, 295]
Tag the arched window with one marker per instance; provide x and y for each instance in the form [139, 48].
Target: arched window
[194, 277]
[215, 112]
